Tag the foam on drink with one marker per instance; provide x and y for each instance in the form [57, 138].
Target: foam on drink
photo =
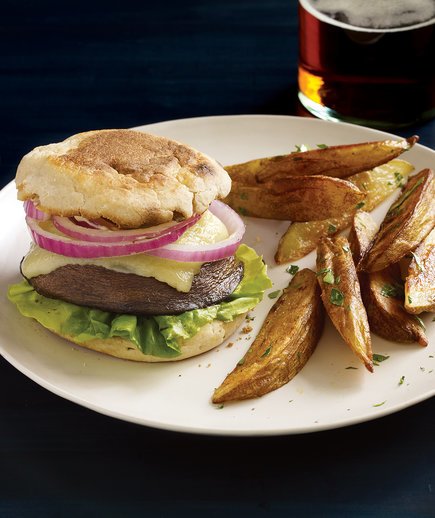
[377, 14]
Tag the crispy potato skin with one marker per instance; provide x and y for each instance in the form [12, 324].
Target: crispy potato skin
[284, 344]
[297, 199]
[408, 221]
[379, 183]
[336, 161]
[386, 314]
[420, 281]
[342, 296]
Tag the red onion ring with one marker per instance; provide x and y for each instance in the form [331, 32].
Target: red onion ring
[74, 229]
[158, 241]
[63, 245]
[210, 252]
[87, 223]
[33, 212]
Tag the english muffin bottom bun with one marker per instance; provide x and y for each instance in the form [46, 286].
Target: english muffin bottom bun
[132, 254]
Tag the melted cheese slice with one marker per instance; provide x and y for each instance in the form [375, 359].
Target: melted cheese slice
[209, 229]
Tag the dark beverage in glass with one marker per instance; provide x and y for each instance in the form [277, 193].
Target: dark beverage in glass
[369, 62]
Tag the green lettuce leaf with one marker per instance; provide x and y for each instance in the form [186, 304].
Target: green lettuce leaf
[159, 336]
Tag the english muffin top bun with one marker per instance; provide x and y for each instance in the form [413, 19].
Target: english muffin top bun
[133, 255]
[129, 177]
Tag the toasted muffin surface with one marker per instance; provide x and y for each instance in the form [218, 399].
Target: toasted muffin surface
[129, 177]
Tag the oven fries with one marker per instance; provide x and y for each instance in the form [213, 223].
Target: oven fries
[337, 161]
[408, 221]
[284, 344]
[382, 292]
[420, 282]
[297, 199]
[341, 296]
[379, 183]
[362, 233]
[359, 281]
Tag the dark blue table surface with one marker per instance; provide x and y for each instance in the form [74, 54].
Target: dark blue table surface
[70, 67]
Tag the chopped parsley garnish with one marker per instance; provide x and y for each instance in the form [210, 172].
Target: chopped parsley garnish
[242, 211]
[420, 322]
[322, 271]
[274, 294]
[351, 367]
[336, 297]
[392, 290]
[241, 361]
[338, 279]
[402, 380]
[266, 352]
[378, 358]
[322, 146]
[380, 404]
[331, 228]
[293, 269]
[398, 177]
[360, 205]
[243, 196]
[328, 278]
[302, 148]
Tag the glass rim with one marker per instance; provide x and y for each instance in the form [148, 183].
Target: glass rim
[306, 4]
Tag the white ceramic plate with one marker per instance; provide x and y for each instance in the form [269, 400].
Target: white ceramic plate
[324, 395]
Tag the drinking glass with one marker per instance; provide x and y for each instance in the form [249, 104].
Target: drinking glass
[370, 62]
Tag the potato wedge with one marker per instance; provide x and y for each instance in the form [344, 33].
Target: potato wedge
[362, 233]
[408, 221]
[382, 294]
[284, 344]
[297, 199]
[341, 296]
[379, 183]
[338, 161]
[420, 282]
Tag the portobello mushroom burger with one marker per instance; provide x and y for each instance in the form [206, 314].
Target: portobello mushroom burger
[133, 255]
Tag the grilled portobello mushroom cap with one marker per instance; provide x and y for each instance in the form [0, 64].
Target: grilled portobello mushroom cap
[98, 287]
